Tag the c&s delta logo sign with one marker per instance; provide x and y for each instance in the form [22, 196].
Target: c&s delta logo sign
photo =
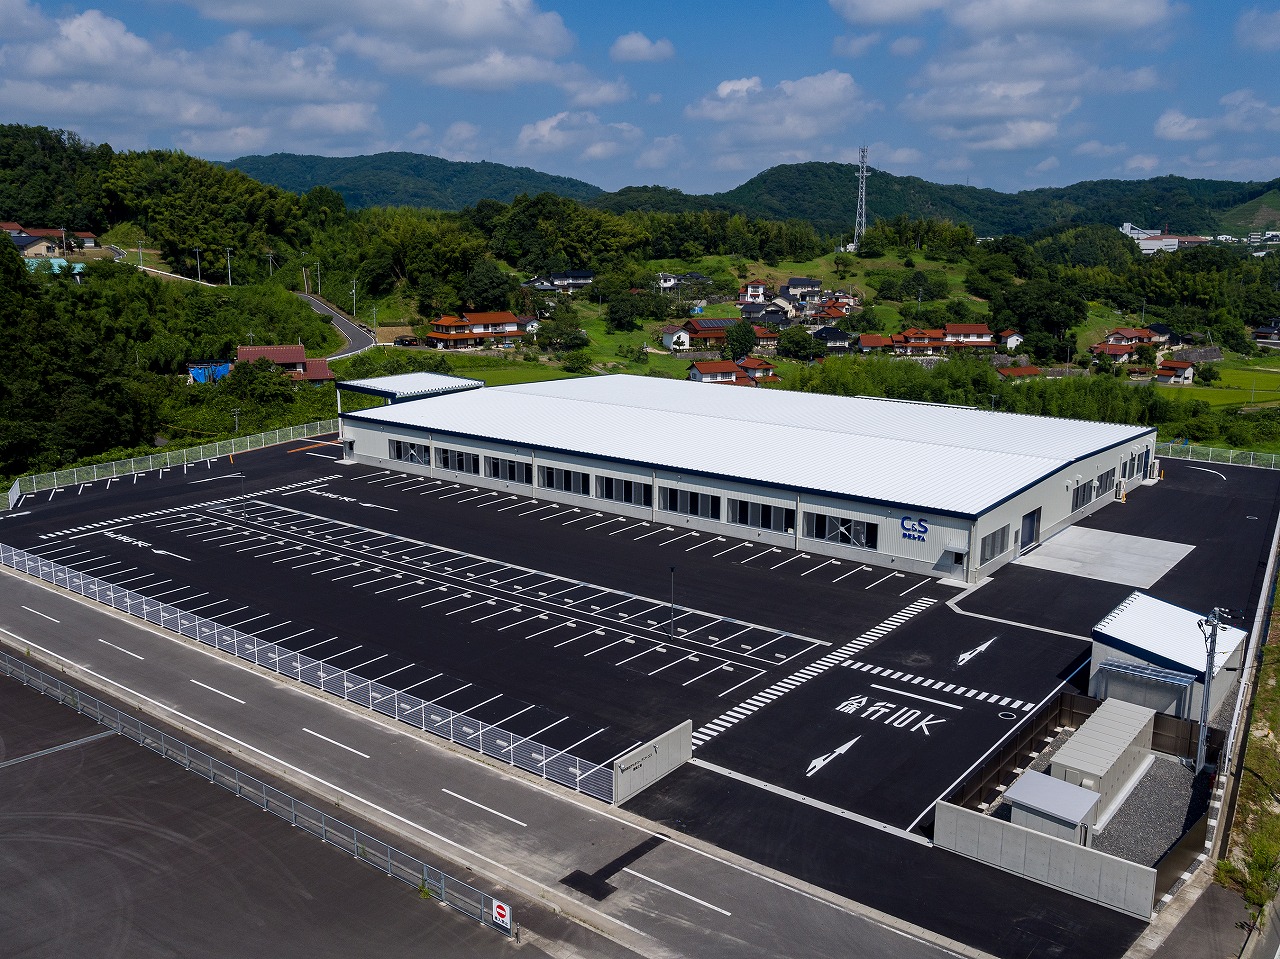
[916, 529]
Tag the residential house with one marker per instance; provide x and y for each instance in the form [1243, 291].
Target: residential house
[1119, 352]
[1176, 372]
[707, 332]
[290, 360]
[749, 372]
[835, 340]
[675, 337]
[968, 335]
[719, 371]
[570, 281]
[755, 291]
[477, 330]
[766, 340]
[1268, 335]
[33, 245]
[1010, 340]
[870, 342]
[1128, 336]
[760, 371]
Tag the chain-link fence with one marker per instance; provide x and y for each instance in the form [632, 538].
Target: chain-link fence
[557, 765]
[26, 485]
[427, 879]
[1211, 454]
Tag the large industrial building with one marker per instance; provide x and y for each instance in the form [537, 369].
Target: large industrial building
[949, 491]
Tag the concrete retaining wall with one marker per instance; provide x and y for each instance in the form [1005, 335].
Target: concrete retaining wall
[1116, 883]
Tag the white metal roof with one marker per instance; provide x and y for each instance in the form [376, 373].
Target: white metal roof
[1164, 634]
[931, 457]
[401, 386]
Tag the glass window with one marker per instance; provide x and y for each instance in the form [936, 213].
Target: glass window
[780, 519]
[1106, 482]
[689, 502]
[513, 471]
[406, 452]
[567, 481]
[624, 491]
[841, 529]
[457, 460]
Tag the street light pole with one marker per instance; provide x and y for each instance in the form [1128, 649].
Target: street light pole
[228, 249]
[671, 626]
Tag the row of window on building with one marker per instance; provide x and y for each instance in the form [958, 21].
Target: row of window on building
[778, 519]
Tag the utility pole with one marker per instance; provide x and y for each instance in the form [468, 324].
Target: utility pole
[317, 277]
[270, 257]
[199, 278]
[353, 299]
[139, 254]
[236, 413]
[1209, 627]
[228, 249]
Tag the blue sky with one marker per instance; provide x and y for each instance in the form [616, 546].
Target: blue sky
[1008, 94]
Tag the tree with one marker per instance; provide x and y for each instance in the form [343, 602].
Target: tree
[1207, 373]
[843, 263]
[739, 340]
[577, 361]
[487, 287]
[796, 343]
[1146, 354]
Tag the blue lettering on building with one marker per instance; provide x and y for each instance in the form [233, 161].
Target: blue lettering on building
[915, 529]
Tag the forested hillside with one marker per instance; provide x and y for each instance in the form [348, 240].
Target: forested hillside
[51, 178]
[408, 179]
[88, 367]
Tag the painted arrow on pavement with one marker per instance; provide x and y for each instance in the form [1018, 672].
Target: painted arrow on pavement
[965, 657]
[823, 760]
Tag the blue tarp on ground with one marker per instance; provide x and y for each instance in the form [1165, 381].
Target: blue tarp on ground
[207, 372]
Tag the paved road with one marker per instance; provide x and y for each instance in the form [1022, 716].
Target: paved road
[671, 895]
[357, 338]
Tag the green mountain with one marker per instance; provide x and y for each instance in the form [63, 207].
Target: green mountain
[408, 179]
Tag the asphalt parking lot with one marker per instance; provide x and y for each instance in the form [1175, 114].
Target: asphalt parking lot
[817, 688]
[558, 623]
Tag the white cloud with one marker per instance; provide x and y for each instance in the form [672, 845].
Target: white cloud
[343, 119]
[637, 48]
[1141, 163]
[577, 133]
[987, 17]
[906, 46]
[1096, 148]
[885, 11]
[586, 91]
[1045, 165]
[20, 19]
[1176, 125]
[1085, 16]
[460, 141]
[476, 25]
[661, 153]
[854, 45]
[1258, 30]
[803, 109]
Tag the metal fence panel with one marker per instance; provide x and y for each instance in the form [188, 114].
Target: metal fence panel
[559, 766]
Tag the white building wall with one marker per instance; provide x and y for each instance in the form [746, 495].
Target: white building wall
[907, 540]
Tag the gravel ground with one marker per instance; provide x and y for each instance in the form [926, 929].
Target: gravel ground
[1165, 803]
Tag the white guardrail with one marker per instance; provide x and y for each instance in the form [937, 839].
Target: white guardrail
[25, 485]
